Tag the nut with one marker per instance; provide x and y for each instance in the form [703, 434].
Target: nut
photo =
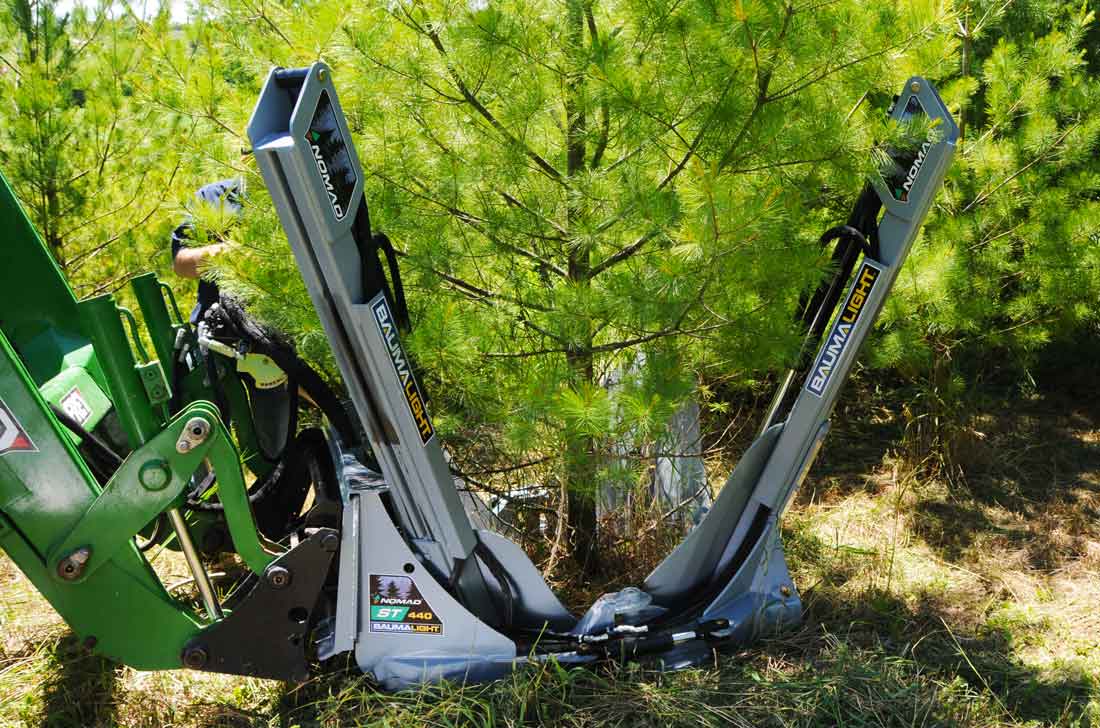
[199, 428]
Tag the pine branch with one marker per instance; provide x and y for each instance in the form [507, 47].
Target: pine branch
[91, 220]
[980, 199]
[763, 82]
[679, 167]
[623, 254]
[605, 111]
[816, 76]
[674, 330]
[479, 293]
[675, 171]
[476, 222]
[511, 468]
[784, 163]
[87, 255]
[261, 14]
[410, 77]
[8, 63]
[530, 58]
[433, 35]
[514, 202]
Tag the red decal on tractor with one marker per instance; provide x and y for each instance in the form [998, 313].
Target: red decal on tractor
[13, 438]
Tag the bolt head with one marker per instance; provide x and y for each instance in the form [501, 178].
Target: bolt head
[322, 75]
[785, 590]
[330, 542]
[278, 577]
[914, 87]
[72, 566]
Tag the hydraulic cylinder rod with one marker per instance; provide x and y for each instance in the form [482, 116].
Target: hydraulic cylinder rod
[194, 564]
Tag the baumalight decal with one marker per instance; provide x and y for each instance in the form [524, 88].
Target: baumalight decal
[413, 396]
[841, 332]
[398, 607]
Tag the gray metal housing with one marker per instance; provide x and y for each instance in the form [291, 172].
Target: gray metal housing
[402, 563]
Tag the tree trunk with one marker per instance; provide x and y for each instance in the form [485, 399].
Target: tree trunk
[580, 456]
[580, 464]
[51, 224]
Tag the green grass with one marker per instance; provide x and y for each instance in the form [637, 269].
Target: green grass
[968, 601]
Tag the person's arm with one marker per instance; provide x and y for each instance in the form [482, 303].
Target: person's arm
[189, 262]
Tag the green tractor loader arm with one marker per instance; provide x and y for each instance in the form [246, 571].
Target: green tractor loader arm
[72, 515]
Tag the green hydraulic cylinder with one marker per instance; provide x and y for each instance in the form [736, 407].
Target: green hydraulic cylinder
[99, 317]
[148, 290]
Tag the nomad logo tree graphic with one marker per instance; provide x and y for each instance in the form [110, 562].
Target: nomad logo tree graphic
[330, 154]
[396, 587]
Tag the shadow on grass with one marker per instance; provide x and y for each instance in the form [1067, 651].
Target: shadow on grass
[1037, 465]
[926, 629]
[81, 690]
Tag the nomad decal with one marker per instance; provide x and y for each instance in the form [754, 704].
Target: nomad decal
[906, 165]
[841, 332]
[413, 396]
[397, 607]
[914, 170]
[74, 406]
[13, 438]
[330, 154]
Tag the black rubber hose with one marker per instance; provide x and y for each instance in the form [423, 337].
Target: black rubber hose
[104, 453]
[102, 450]
[501, 575]
[158, 526]
[282, 494]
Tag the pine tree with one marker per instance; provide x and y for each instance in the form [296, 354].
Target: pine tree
[573, 185]
[47, 102]
[92, 164]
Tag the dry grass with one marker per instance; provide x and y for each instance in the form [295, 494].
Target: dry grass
[933, 597]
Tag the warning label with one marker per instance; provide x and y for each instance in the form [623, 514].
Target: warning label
[76, 407]
[13, 438]
[397, 607]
